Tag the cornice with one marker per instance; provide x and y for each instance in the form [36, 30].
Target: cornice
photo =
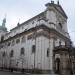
[44, 27]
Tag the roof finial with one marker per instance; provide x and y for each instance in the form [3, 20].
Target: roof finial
[18, 22]
[58, 2]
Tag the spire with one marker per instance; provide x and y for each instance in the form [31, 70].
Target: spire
[4, 21]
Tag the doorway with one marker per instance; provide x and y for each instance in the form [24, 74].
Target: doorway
[57, 65]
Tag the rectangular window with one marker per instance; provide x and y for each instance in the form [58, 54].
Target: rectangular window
[33, 48]
[48, 52]
[22, 51]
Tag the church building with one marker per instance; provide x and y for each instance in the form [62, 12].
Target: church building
[40, 44]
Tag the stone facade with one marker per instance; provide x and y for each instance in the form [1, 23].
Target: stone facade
[30, 45]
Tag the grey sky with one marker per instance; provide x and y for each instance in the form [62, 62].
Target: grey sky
[25, 9]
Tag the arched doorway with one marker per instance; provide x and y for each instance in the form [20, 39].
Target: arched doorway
[57, 65]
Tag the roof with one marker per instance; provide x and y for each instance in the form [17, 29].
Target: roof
[56, 6]
[27, 21]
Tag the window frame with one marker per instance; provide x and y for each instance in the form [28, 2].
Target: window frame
[12, 53]
[33, 48]
[22, 51]
[48, 52]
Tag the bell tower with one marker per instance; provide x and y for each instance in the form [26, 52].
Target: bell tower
[3, 29]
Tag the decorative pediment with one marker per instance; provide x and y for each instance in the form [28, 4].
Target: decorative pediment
[57, 7]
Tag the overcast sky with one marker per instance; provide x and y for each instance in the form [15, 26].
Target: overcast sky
[25, 9]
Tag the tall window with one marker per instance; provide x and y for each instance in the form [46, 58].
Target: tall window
[60, 43]
[60, 25]
[11, 53]
[3, 54]
[22, 51]
[9, 43]
[48, 52]
[23, 39]
[2, 38]
[33, 49]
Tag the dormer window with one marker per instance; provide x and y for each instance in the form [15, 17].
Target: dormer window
[60, 25]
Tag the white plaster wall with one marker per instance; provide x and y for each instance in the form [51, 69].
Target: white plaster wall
[41, 59]
[51, 16]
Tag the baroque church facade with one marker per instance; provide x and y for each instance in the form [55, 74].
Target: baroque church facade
[34, 44]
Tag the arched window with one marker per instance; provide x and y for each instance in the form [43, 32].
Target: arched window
[23, 39]
[3, 54]
[13, 42]
[60, 25]
[48, 52]
[11, 53]
[22, 51]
